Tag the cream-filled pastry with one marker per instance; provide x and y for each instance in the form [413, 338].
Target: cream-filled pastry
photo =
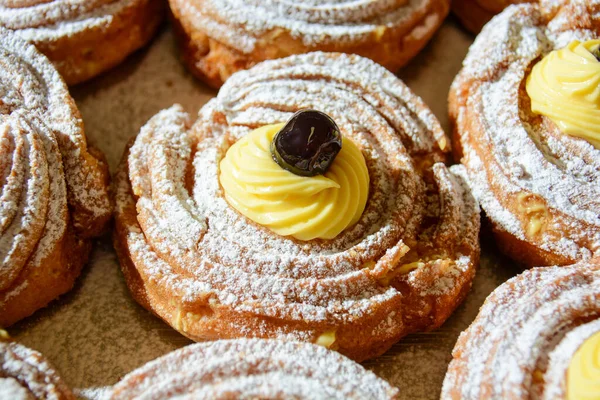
[525, 114]
[309, 201]
[553, 315]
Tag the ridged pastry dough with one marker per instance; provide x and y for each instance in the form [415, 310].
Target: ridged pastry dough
[54, 189]
[253, 369]
[221, 37]
[538, 186]
[83, 38]
[524, 340]
[26, 375]
[212, 273]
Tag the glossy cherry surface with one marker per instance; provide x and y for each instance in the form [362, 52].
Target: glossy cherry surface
[596, 53]
[307, 144]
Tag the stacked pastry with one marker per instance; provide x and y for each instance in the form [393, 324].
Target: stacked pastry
[220, 37]
[83, 37]
[537, 335]
[526, 115]
[341, 226]
[54, 194]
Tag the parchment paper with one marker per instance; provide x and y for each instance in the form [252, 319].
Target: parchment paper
[96, 334]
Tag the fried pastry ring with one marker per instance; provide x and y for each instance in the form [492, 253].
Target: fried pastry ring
[537, 186]
[212, 273]
[253, 369]
[83, 38]
[25, 374]
[521, 343]
[221, 37]
[54, 189]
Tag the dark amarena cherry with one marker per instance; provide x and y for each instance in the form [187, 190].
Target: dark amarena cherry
[596, 53]
[307, 144]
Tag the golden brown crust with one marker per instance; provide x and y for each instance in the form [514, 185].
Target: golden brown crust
[201, 322]
[81, 54]
[403, 268]
[303, 370]
[526, 253]
[25, 373]
[54, 188]
[40, 286]
[474, 14]
[416, 312]
[519, 162]
[546, 313]
[213, 61]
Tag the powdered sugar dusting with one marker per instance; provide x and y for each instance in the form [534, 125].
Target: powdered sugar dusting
[238, 23]
[332, 282]
[46, 164]
[114, 335]
[506, 350]
[48, 20]
[10, 388]
[253, 369]
[515, 152]
[25, 374]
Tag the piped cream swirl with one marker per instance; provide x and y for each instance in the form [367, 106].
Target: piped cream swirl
[583, 375]
[306, 208]
[565, 87]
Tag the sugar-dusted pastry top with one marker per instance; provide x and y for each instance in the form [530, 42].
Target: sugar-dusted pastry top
[239, 23]
[534, 182]
[39, 20]
[414, 245]
[83, 38]
[565, 87]
[53, 188]
[523, 343]
[305, 207]
[26, 375]
[32, 89]
[250, 369]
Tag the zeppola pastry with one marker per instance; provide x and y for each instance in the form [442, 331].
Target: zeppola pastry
[252, 369]
[341, 226]
[220, 37]
[536, 336]
[474, 14]
[54, 189]
[526, 115]
[83, 38]
[25, 374]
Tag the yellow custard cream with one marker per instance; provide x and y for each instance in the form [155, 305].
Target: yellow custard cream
[583, 375]
[306, 208]
[565, 87]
